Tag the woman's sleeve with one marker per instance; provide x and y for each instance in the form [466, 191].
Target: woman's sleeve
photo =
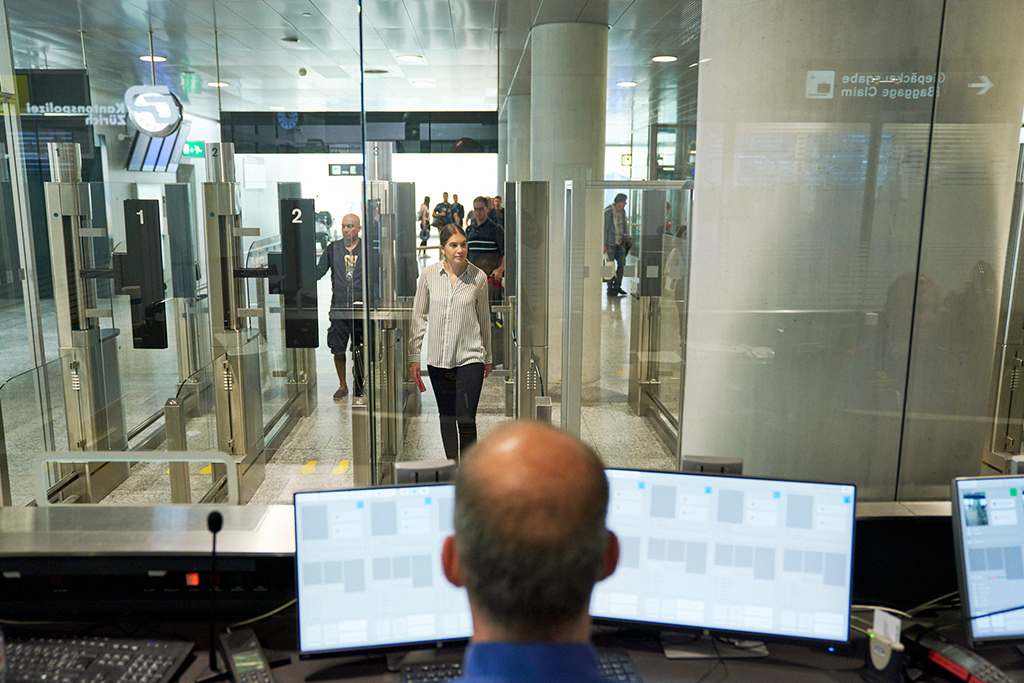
[483, 315]
[420, 308]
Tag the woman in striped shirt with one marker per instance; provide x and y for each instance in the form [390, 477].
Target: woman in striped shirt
[451, 300]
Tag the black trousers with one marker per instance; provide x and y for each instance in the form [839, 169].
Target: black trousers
[457, 391]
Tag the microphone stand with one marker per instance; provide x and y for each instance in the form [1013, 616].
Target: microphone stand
[214, 522]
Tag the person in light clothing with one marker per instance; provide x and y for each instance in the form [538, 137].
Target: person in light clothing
[451, 300]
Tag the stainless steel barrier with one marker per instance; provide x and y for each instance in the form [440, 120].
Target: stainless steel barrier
[68, 457]
[527, 213]
[239, 398]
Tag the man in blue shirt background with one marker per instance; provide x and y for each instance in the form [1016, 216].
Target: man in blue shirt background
[530, 542]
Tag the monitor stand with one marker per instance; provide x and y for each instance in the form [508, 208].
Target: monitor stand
[434, 655]
[684, 646]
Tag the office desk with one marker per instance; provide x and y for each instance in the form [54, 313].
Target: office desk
[785, 664]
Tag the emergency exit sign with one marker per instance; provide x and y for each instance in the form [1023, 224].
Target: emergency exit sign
[193, 149]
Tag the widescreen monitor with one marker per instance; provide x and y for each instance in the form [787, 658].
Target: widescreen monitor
[368, 569]
[733, 555]
[989, 540]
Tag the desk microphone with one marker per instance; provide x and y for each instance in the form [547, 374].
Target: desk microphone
[214, 523]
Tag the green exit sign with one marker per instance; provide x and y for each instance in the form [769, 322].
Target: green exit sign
[194, 149]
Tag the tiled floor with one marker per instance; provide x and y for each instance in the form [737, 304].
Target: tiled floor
[317, 454]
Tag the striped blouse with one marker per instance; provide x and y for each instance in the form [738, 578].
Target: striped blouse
[459, 318]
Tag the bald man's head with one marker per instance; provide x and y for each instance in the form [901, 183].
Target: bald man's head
[530, 527]
[350, 227]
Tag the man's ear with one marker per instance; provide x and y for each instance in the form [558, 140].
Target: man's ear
[611, 557]
[450, 562]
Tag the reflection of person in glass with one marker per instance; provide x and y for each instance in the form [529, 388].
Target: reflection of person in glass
[343, 258]
[451, 300]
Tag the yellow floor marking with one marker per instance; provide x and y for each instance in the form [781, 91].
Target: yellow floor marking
[341, 467]
[622, 372]
[309, 467]
[206, 470]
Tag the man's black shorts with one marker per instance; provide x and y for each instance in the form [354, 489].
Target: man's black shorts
[341, 330]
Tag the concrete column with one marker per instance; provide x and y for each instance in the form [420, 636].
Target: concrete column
[517, 109]
[568, 85]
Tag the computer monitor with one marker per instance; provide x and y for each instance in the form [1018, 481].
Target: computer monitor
[733, 555]
[988, 537]
[368, 570]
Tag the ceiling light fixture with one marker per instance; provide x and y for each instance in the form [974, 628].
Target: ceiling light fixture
[423, 84]
[218, 84]
[276, 107]
[704, 61]
[375, 71]
[153, 58]
[290, 39]
[626, 84]
[694, 64]
[664, 58]
[409, 58]
[307, 14]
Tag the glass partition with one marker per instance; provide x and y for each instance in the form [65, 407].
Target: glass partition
[633, 368]
[33, 419]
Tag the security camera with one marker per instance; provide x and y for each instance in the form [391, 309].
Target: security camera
[302, 71]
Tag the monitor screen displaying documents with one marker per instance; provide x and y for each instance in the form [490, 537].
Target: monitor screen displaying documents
[368, 569]
[730, 554]
[988, 529]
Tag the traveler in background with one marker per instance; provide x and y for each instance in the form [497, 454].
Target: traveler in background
[457, 212]
[441, 212]
[424, 221]
[530, 542]
[487, 247]
[616, 241]
[451, 299]
[497, 213]
[342, 258]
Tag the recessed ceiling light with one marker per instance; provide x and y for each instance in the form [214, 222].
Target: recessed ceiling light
[153, 58]
[694, 64]
[704, 61]
[275, 107]
[218, 84]
[664, 58]
[423, 84]
[375, 71]
[626, 84]
[409, 58]
[290, 39]
[307, 14]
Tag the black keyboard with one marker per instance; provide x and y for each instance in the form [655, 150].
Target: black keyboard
[614, 664]
[95, 660]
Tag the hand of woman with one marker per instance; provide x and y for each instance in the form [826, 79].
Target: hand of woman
[487, 369]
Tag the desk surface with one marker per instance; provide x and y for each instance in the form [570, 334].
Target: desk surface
[786, 663]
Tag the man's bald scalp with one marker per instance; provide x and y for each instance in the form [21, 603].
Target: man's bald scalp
[530, 528]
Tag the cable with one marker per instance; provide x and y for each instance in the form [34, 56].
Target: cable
[930, 603]
[962, 620]
[890, 610]
[263, 616]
